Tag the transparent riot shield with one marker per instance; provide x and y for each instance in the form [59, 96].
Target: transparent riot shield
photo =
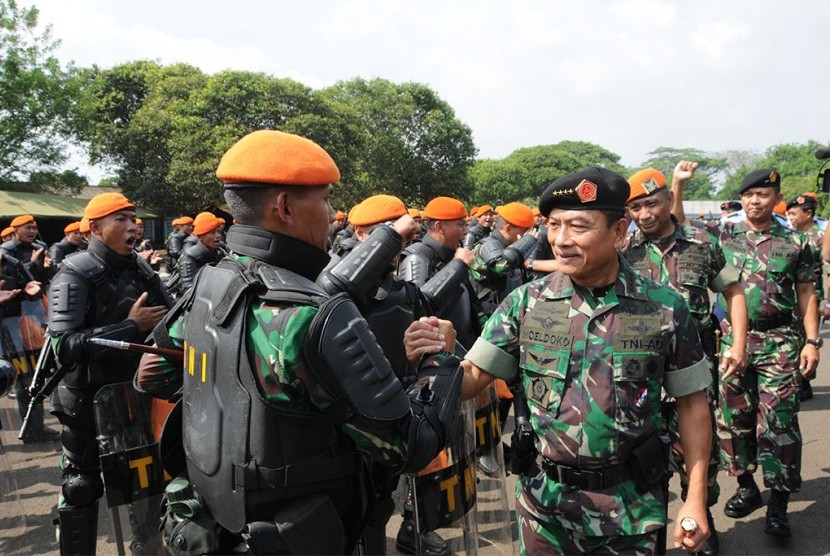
[128, 429]
[492, 511]
[443, 495]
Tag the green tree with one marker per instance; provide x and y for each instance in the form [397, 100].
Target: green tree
[497, 182]
[37, 95]
[710, 169]
[409, 142]
[67, 182]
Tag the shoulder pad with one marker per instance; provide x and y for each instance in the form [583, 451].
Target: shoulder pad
[415, 265]
[284, 285]
[68, 295]
[490, 250]
[344, 356]
[88, 266]
[39, 244]
[7, 246]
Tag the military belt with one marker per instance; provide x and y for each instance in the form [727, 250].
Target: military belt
[586, 479]
[764, 324]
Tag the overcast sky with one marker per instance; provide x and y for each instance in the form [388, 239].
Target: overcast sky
[629, 76]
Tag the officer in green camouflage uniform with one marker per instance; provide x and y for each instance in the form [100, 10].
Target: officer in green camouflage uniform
[801, 212]
[592, 345]
[758, 421]
[686, 259]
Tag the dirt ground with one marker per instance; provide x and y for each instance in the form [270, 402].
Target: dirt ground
[29, 487]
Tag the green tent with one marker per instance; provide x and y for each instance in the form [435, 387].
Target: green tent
[14, 203]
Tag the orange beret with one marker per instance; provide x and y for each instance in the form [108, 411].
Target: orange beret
[73, 227]
[444, 208]
[22, 220]
[517, 214]
[473, 211]
[646, 182]
[811, 194]
[340, 215]
[7, 231]
[105, 204]
[185, 220]
[377, 208]
[274, 157]
[205, 222]
[414, 213]
[780, 208]
[139, 221]
[83, 227]
[536, 211]
[483, 209]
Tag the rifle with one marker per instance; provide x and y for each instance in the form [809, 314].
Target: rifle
[46, 377]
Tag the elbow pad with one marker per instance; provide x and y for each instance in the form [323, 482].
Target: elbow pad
[415, 269]
[359, 271]
[435, 400]
[517, 253]
[442, 288]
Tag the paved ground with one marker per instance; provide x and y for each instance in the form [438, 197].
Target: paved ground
[29, 488]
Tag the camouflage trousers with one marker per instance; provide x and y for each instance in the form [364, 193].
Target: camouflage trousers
[537, 537]
[758, 412]
[556, 519]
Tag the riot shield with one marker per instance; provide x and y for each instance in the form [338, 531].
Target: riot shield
[13, 520]
[492, 511]
[443, 495]
[127, 425]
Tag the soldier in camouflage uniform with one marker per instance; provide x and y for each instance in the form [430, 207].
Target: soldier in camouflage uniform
[500, 257]
[592, 345]
[690, 262]
[481, 228]
[801, 212]
[312, 399]
[758, 421]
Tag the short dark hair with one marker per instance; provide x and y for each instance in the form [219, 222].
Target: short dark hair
[612, 217]
[247, 205]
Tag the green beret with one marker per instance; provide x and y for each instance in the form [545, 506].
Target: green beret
[766, 177]
[589, 189]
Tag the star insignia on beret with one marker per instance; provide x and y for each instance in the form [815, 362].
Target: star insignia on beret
[587, 191]
[651, 185]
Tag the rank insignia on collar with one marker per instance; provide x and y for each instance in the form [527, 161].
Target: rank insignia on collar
[587, 191]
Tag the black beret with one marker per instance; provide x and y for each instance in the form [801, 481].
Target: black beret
[766, 177]
[731, 205]
[589, 189]
[802, 201]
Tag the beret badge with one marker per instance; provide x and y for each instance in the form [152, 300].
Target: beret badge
[587, 191]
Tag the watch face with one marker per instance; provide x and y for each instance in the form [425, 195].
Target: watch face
[688, 524]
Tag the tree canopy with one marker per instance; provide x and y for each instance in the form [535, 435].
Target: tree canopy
[37, 96]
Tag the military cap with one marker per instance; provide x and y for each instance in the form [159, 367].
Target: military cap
[339, 215]
[105, 204]
[414, 213]
[731, 205]
[83, 227]
[267, 157]
[766, 177]
[780, 208]
[205, 222]
[483, 209]
[444, 208]
[22, 220]
[517, 214]
[645, 183]
[376, 209]
[184, 220]
[593, 188]
[72, 227]
[139, 222]
[802, 201]
[7, 231]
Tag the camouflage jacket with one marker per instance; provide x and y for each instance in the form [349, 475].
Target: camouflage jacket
[689, 261]
[276, 336]
[592, 370]
[769, 264]
[814, 236]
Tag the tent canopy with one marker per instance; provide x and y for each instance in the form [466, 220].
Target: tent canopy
[14, 203]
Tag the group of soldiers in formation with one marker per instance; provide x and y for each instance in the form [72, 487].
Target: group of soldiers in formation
[326, 356]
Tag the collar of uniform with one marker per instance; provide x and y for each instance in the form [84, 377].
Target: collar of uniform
[110, 258]
[278, 250]
[775, 228]
[627, 284]
[638, 237]
[445, 253]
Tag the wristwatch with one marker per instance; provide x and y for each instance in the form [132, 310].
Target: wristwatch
[818, 342]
